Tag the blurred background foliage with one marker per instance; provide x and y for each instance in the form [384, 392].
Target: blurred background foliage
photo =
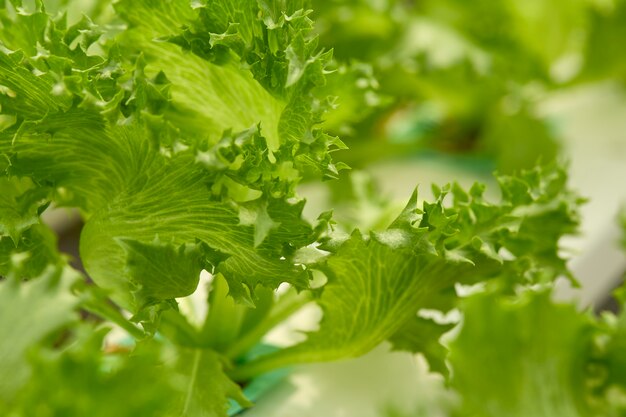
[463, 78]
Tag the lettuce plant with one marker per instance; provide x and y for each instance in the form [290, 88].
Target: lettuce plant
[180, 131]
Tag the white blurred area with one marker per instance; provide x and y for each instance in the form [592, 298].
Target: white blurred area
[368, 386]
[593, 124]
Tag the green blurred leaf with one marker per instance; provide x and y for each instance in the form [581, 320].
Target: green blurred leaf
[522, 357]
[420, 335]
[30, 312]
[21, 202]
[208, 387]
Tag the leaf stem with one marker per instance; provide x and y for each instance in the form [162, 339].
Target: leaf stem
[107, 311]
[287, 305]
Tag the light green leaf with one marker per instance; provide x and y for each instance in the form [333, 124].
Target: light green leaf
[161, 271]
[38, 244]
[606, 28]
[614, 345]
[90, 381]
[615, 362]
[524, 357]
[29, 312]
[373, 290]
[171, 201]
[207, 387]
[21, 203]
[420, 335]
[255, 214]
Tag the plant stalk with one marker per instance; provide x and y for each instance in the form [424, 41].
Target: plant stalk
[285, 307]
[108, 312]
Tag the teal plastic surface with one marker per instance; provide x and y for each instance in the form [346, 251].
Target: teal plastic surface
[260, 385]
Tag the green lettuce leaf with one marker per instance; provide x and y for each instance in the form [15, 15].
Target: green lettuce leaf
[207, 386]
[523, 357]
[151, 137]
[38, 244]
[154, 380]
[162, 272]
[30, 312]
[606, 28]
[20, 205]
[420, 335]
[614, 351]
[377, 283]
[21, 231]
[88, 381]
